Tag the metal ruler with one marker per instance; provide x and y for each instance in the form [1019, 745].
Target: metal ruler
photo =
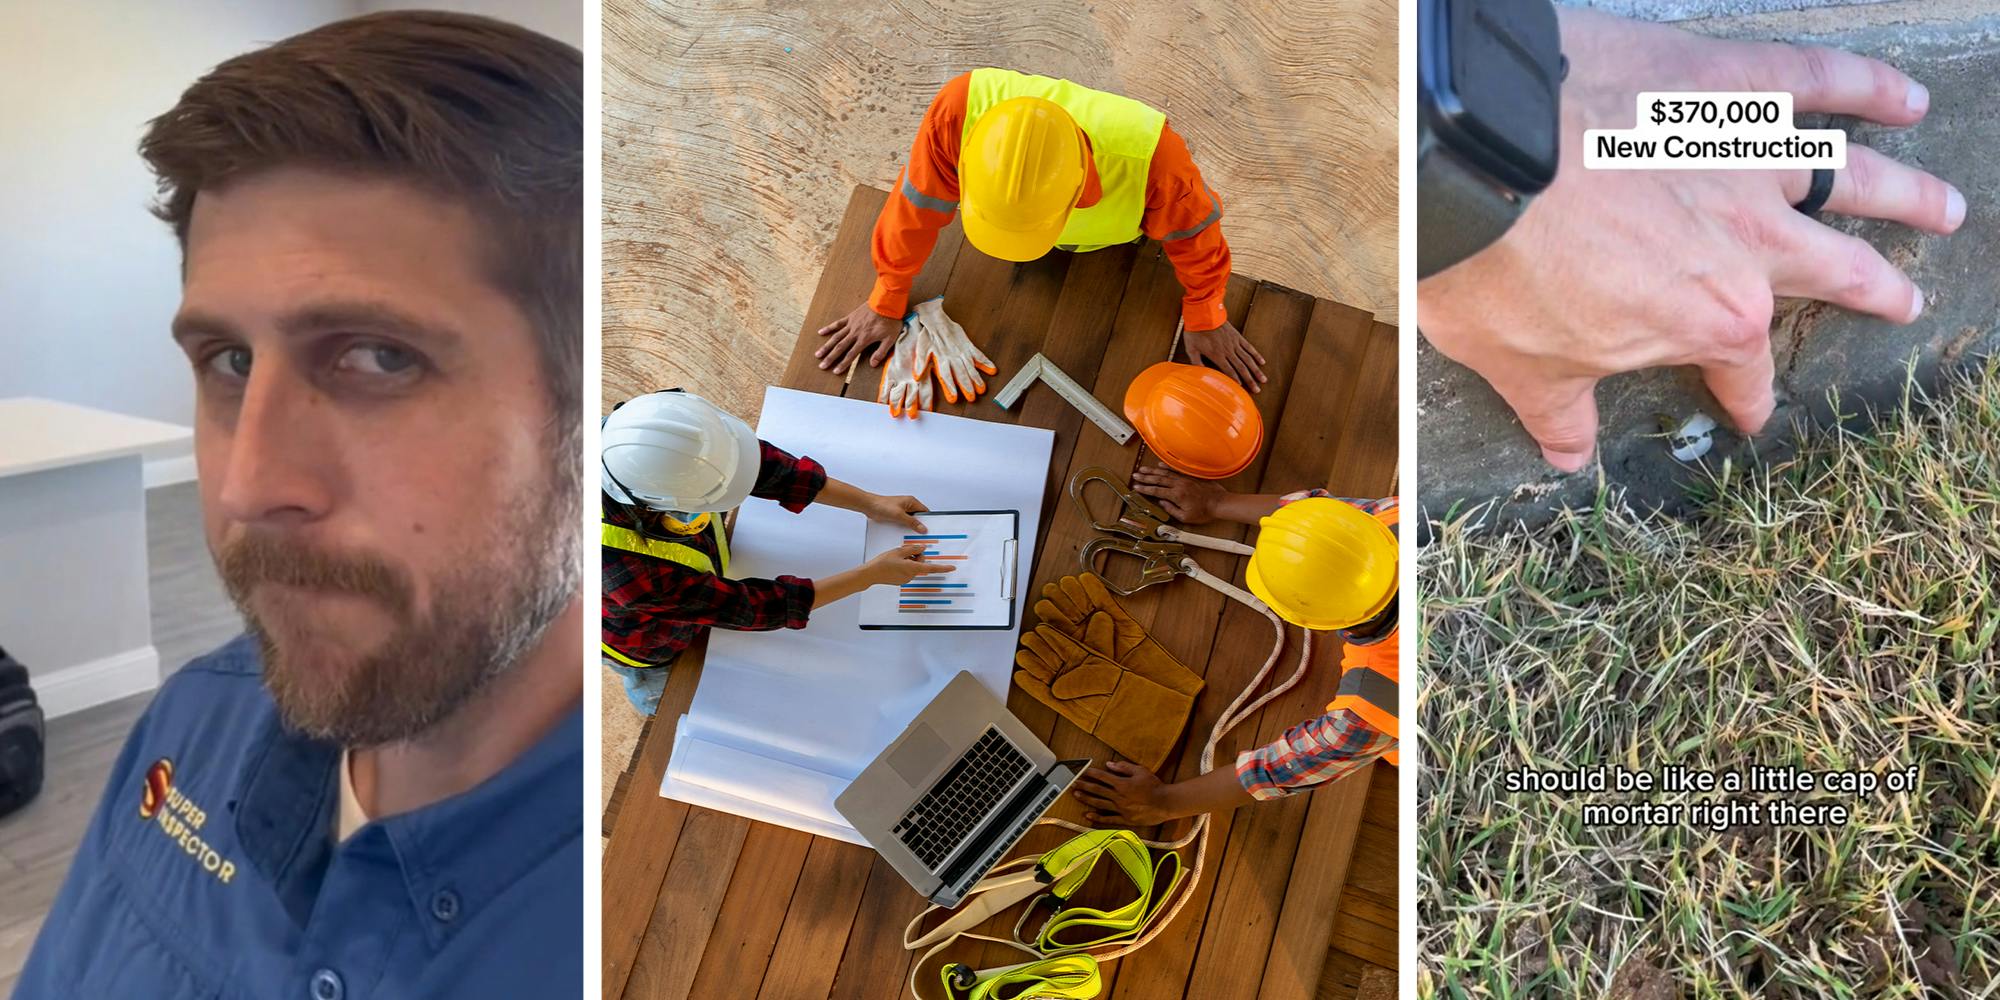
[1040, 367]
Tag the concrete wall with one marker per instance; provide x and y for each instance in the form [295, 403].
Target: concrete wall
[1681, 10]
[1953, 47]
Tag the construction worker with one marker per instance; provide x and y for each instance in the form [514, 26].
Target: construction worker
[672, 464]
[1324, 563]
[1037, 164]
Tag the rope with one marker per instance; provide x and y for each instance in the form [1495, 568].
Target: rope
[1023, 884]
[1231, 717]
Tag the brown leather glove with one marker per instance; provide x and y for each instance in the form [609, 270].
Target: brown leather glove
[1097, 667]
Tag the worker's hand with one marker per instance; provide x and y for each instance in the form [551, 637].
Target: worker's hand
[1612, 271]
[1189, 500]
[854, 334]
[900, 565]
[1124, 794]
[1225, 349]
[895, 510]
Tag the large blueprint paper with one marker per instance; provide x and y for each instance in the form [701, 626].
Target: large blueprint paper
[782, 721]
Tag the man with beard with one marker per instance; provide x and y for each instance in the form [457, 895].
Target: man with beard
[377, 791]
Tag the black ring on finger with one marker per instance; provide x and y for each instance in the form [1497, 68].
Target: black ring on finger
[1822, 187]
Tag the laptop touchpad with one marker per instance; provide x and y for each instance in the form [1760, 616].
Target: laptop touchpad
[918, 755]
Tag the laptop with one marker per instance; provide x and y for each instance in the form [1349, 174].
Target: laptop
[955, 791]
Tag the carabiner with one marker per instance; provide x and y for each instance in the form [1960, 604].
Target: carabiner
[1159, 561]
[1137, 516]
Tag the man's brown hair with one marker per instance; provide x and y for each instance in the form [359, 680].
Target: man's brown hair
[469, 107]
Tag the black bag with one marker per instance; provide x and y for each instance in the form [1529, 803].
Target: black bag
[21, 737]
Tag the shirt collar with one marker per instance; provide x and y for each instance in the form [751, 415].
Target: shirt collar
[455, 856]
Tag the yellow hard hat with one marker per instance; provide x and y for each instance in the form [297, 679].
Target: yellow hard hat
[1324, 564]
[1019, 175]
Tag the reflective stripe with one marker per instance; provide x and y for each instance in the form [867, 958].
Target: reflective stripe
[621, 657]
[1371, 686]
[627, 540]
[1214, 214]
[1371, 695]
[721, 545]
[922, 200]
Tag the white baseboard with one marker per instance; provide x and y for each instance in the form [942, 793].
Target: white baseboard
[168, 471]
[86, 685]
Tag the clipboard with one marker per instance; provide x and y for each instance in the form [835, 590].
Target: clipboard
[977, 595]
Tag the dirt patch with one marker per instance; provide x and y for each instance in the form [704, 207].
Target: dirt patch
[1954, 351]
[1639, 979]
[1910, 939]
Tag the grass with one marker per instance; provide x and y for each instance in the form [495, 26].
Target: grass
[1836, 611]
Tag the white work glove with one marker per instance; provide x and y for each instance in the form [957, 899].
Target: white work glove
[957, 362]
[906, 389]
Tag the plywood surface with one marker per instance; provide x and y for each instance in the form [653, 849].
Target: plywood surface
[698, 902]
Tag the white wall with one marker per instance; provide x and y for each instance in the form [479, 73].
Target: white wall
[558, 19]
[88, 279]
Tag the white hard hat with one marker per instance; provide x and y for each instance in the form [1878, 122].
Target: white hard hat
[677, 451]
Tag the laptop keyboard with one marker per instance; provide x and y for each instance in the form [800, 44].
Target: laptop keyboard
[977, 781]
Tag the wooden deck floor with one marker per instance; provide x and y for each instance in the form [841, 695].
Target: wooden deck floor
[1298, 899]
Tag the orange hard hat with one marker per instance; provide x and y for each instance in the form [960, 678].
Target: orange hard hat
[1198, 420]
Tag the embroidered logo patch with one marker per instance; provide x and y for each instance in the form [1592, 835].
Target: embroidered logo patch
[180, 819]
[159, 778]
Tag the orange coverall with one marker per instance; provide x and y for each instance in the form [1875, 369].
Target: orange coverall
[1177, 204]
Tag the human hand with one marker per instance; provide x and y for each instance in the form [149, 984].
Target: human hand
[854, 334]
[895, 510]
[1611, 271]
[1229, 352]
[900, 565]
[1189, 500]
[1125, 794]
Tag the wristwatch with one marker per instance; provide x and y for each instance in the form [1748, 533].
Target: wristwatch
[1489, 88]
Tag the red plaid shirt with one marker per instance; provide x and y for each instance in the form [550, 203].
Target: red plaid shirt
[653, 608]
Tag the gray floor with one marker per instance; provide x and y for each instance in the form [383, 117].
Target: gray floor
[190, 616]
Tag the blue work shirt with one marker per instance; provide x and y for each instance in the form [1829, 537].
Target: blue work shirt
[210, 871]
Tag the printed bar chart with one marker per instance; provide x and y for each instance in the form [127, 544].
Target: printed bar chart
[931, 595]
[975, 591]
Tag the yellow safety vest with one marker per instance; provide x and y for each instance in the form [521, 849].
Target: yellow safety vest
[1123, 134]
[627, 540]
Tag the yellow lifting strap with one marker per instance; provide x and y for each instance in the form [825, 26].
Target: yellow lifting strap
[1061, 968]
[1164, 888]
[1065, 977]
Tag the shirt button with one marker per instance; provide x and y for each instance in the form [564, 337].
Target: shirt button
[444, 905]
[326, 985]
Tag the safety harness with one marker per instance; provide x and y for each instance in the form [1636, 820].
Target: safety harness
[655, 547]
[1074, 940]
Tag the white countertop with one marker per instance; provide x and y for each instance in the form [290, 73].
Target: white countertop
[40, 434]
